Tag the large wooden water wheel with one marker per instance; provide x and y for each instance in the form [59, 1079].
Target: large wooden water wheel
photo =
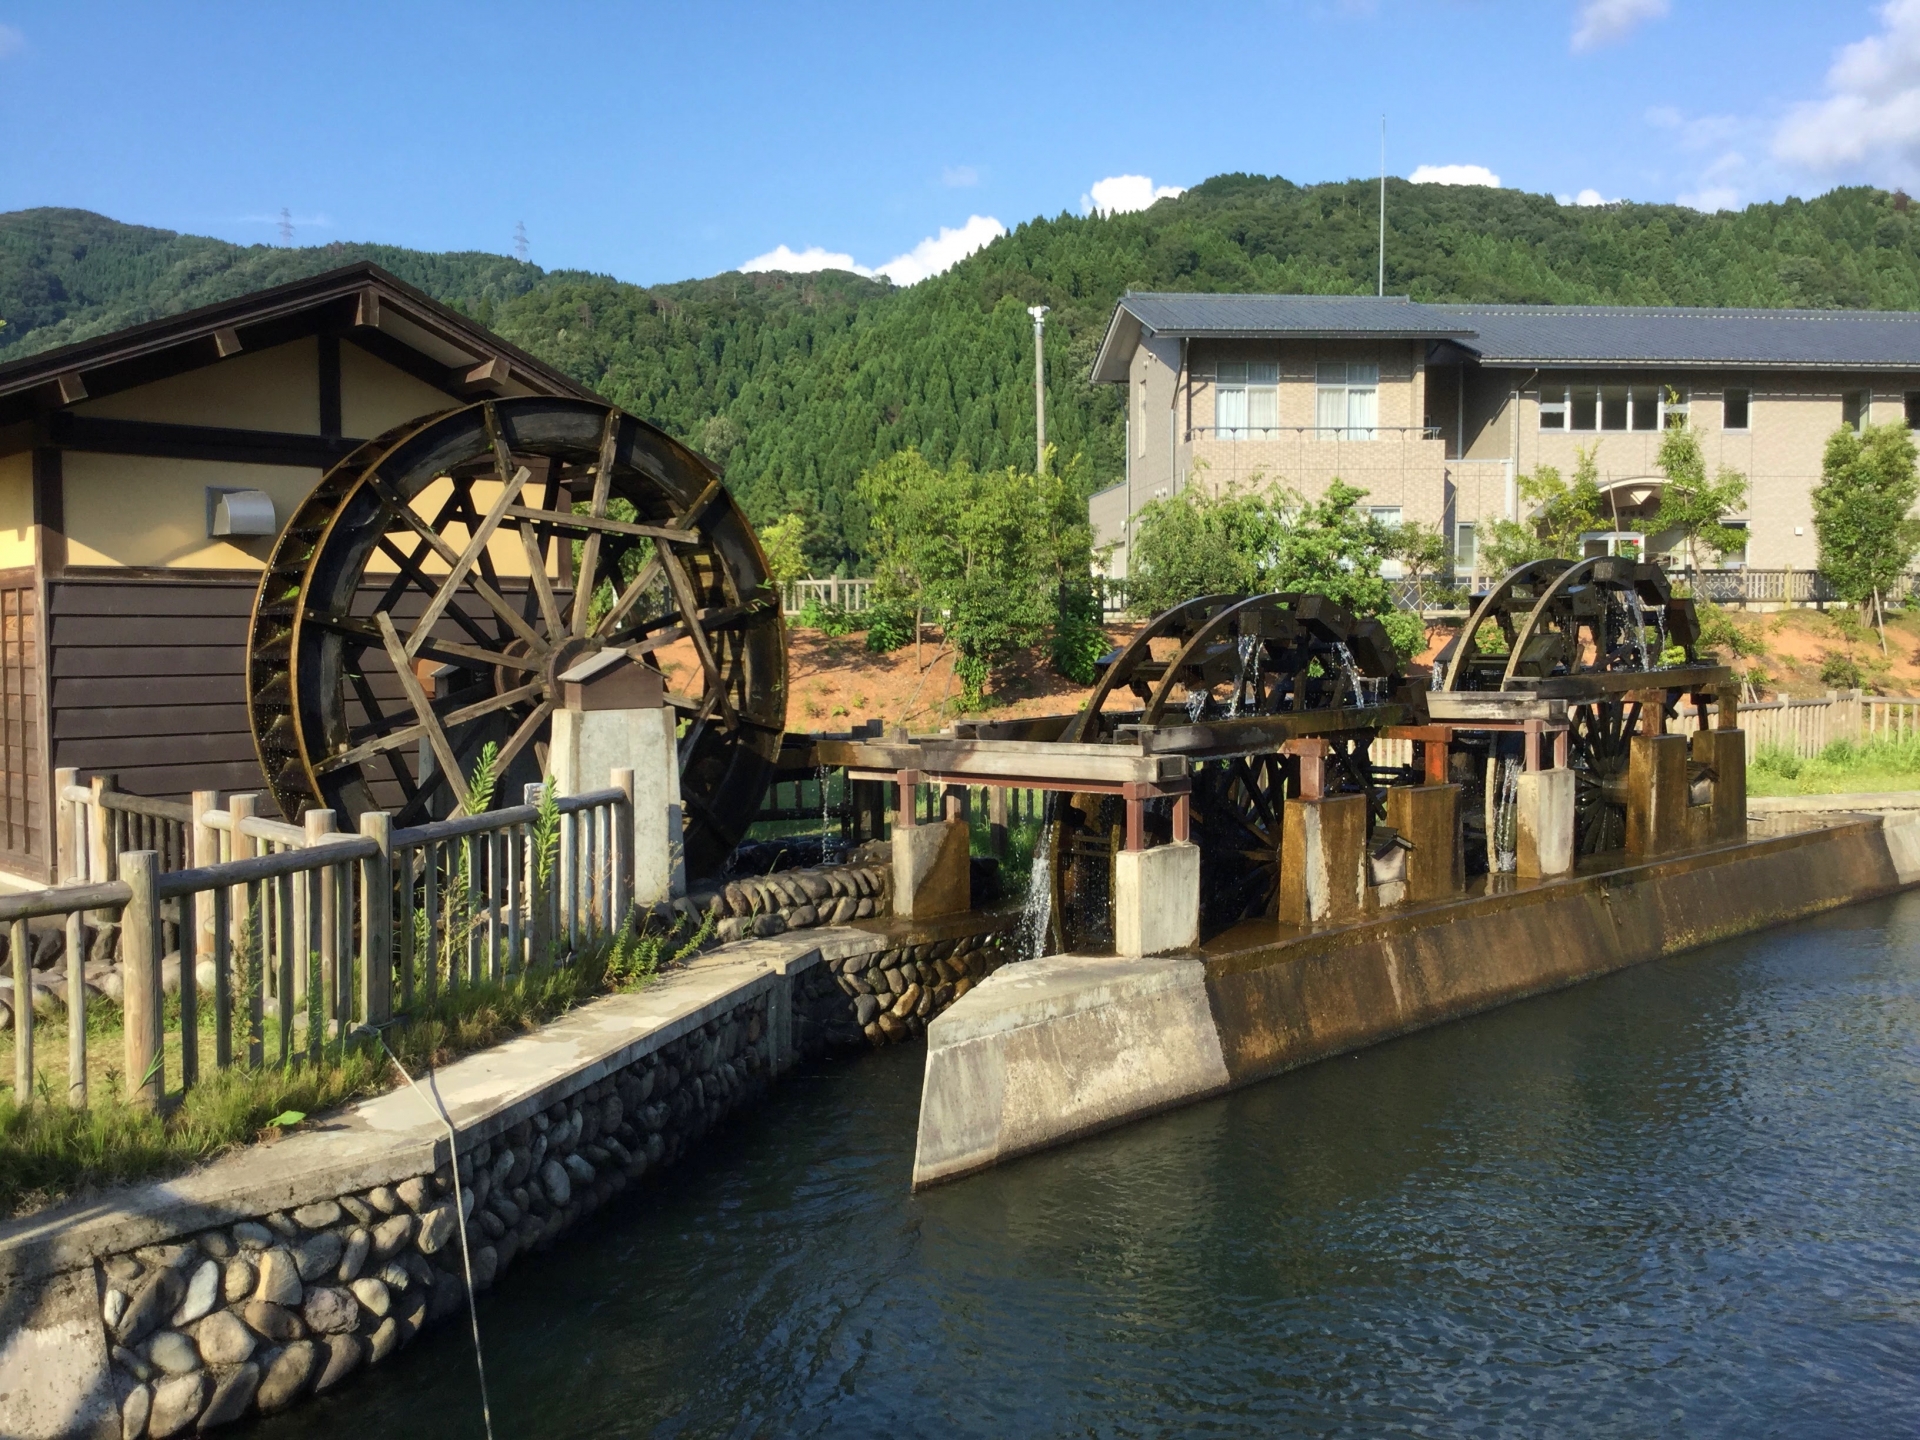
[1223, 658]
[426, 597]
[1605, 618]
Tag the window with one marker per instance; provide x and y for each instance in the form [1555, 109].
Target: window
[1739, 556]
[1853, 408]
[1607, 407]
[1246, 400]
[1347, 401]
[1387, 515]
[1736, 408]
[1464, 551]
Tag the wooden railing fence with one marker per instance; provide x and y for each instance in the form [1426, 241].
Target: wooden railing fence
[300, 932]
[1804, 728]
[850, 594]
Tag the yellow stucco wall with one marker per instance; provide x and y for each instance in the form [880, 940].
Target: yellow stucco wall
[375, 397]
[277, 389]
[16, 511]
[132, 510]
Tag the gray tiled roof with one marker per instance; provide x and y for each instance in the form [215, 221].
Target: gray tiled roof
[1559, 335]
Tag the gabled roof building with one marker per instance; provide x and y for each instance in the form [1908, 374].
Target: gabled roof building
[1436, 410]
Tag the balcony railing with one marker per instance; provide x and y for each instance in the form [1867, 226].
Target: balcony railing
[1314, 432]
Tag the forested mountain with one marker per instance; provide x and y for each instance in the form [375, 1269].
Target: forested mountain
[798, 382]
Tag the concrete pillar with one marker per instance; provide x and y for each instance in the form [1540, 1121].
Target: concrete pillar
[1323, 859]
[1545, 802]
[1656, 795]
[1156, 899]
[1429, 816]
[613, 717]
[1729, 761]
[931, 874]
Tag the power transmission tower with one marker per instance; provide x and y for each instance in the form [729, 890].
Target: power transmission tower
[520, 239]
[286, 226]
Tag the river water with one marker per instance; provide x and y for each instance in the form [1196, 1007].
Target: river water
[1683, 1200]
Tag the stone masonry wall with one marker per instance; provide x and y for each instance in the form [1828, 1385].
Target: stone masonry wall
[249, 1317]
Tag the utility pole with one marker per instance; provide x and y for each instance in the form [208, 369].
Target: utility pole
[1039, 314]
[1383, 207]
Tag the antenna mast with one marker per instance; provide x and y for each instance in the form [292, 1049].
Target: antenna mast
[1383, 208]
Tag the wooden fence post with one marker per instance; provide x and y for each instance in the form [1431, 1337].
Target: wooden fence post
[65, 860]
[100, 856]
[20, 947]
[376, 920]
[140, 980]
[622, 847]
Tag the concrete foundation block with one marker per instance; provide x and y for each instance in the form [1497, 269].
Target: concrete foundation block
[589, 745]
[1544, 799]
[1156, 900]
[1429, 816]
[931, 875]
[55, 1383]
[1323, 860]
[1656, 795]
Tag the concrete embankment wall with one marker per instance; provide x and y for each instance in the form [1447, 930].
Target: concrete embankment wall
[279, 1270]
[1055, 1049]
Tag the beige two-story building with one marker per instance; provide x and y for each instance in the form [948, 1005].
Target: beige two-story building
[1436, 411]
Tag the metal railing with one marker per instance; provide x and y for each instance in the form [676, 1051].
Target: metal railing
[1314, 432]
[297, 933]
[851, 595]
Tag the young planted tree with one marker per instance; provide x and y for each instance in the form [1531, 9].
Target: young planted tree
[1004, 559]
[1563, 511]
[1691, 503]
[1862, 513]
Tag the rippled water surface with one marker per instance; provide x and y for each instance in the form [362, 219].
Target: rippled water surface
[1681, 1200]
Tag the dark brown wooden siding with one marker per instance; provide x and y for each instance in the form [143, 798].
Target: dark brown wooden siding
[149, 682]
[23, 758]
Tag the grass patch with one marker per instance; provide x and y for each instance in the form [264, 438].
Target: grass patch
[1843, 768]
[49, 1152]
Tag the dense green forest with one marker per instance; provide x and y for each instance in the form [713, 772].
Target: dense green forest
[797, 383]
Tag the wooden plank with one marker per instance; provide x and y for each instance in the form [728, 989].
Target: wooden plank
[158, 660]
[590, 525]
[133, 632]
[156, 439]
[132, 721]
[128, 752]
[103, 691]
[152, 597]
[436, 737]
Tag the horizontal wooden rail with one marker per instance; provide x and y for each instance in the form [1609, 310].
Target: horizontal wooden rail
[337, 851]
[64, 900]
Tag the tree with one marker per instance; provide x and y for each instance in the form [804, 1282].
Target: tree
[1563, 511]
[781, 542]
[1693, 504]
[1862, 513]
[1252, 542]
[1003, 557]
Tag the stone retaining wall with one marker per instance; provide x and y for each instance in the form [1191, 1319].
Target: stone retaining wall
[249, 1317]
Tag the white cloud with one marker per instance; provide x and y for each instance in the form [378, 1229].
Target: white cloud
[802, 262]
[12, 42]
[930, 257]
[943, 251]
[958, 177]
[1711, 198]
[1873, 112]
[1454, 175]
[1120, 194]
[1590, 196]
[1604, 21]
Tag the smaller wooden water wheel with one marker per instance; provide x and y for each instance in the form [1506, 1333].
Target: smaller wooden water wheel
[426, 598]
[1609, 616]
[1221, 658]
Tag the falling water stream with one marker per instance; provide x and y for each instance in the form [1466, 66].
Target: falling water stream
[829, 841]
[1036, 916]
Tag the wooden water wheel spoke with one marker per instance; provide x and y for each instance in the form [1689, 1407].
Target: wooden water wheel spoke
[590, 548]
[417, 697]
[394, 739]
[689, 603]
[456, 576]
[337, 692]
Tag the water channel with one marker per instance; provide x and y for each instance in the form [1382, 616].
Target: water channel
[1680, 1200]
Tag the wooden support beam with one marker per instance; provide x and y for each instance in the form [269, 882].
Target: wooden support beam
[160, 440]
[226, 341]
[70, 388]
[590, 551]
[422, 708]
[490, 373]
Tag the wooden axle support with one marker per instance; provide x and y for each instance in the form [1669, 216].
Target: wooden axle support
[1136, 794]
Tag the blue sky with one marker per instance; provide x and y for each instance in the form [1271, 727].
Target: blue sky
[659, 142]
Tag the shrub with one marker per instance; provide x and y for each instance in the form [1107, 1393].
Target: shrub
[1840, 671]
[1773, 761]
[888, 628]
[832, 621]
